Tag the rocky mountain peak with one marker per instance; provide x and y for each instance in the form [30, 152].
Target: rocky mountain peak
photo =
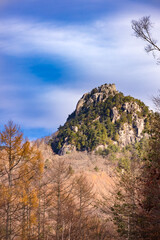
[106, 88]
[103, 117]
[96, 95]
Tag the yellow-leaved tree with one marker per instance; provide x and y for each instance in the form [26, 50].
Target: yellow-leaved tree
[20, 165]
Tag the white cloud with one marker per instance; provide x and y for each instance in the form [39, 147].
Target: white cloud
[95, 48]
[102, 51]
[47, 108]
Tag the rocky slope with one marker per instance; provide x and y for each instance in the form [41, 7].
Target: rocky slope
[103, 117]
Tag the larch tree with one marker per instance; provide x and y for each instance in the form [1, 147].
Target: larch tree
[84, 197]
[30, 174]
[19, 164]
[11, 140]
[60, 194]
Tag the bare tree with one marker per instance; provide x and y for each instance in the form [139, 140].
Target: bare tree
[156, 101]
[60, 194]
[83, 191]
[142, 29]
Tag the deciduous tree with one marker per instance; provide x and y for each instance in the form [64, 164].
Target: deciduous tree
[20, 165]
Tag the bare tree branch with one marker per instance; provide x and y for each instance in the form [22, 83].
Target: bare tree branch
[142, 29]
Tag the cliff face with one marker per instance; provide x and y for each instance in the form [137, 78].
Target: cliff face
[103, 117]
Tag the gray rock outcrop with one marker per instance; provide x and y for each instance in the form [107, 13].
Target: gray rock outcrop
[131, 107]
[66, 149]
[139, 125]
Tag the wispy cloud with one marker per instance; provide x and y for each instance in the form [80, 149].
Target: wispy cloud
[47, 108]
[102, 51]
[96, 46]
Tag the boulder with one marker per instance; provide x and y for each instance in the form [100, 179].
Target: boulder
[101, 147]
[75, 128]
[66, 149]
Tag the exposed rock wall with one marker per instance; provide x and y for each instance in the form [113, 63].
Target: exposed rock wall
[131, 107]
[115, 115]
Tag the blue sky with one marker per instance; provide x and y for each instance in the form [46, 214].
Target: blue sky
[52, 52]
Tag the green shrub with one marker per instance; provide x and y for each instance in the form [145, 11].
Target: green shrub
[96, 169]
[113, 148]
[70, 170]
